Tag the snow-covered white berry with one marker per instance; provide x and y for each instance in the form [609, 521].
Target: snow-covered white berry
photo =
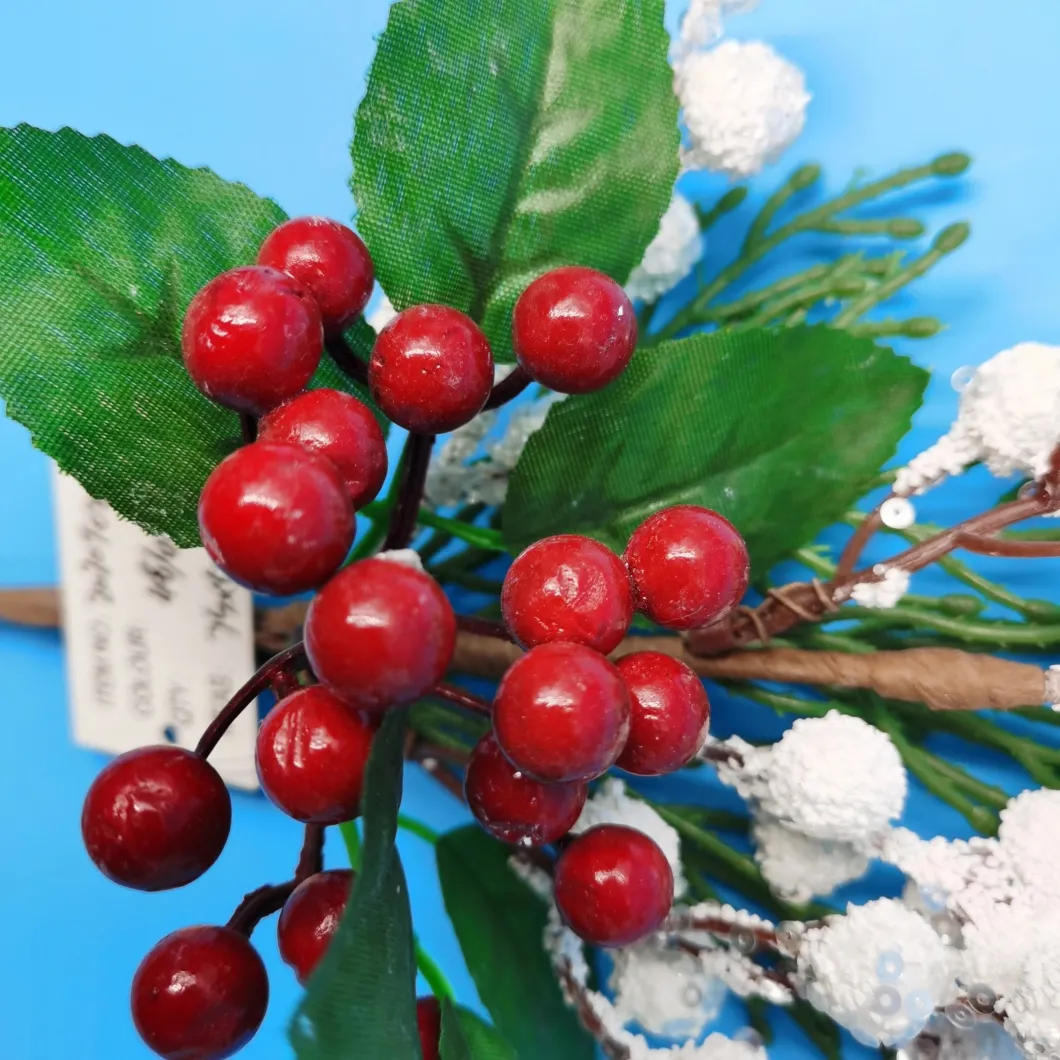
[885, 593]
[798, 867]
[880, 971]
[671, 255]
[1032, 1010]
[743, 106]
[702, 24]
[1030, 825]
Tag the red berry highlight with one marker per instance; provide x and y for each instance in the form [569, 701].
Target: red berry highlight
[200, 994]
[431, 370]
[561, 713]
[156, 818]
[310, 917]
[688, 565]
[429, 1023]
[614, 886]
[514, 807]
[337, 426]
[574, 330]
[329, 260]
[276, 518]
[252, 338]
[670, 715]
[380, 633]
[312, 751]
[569, 588]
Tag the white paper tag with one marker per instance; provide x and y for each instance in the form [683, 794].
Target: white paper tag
[157, 638]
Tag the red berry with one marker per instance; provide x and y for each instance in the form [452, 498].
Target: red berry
[574, 330]
[568, 588]
[514, 807]
[338, 426]
[429, 1022]
[688, 566]
[613, 886]
[670, 716]
[276, 518]
[431, 369]
[312, 751]
[380, 633]
[310, 917]
[252, 338]
[200, 994]
[329, 260]
[156, 818]
[562, 713]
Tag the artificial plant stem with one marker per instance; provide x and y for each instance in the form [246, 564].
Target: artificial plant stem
[352, 838]
[753, 300]
[802, 179]
[984, 631]
[484, 627]
[418, 828]
[293, 658]
[442, 537]
[511, 386]
[460, 698]
[478, 536]
[248, 427]
[432, 974]
[410, 493]
[345, 359]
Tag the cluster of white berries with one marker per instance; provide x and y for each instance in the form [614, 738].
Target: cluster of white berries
[670, 256]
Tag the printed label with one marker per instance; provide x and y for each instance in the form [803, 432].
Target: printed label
[157, 638]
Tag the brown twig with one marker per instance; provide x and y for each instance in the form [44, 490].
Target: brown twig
[345, 359]
[485, 627]
[578, 996]
[511, 386]
[410, 494]
[459, 697]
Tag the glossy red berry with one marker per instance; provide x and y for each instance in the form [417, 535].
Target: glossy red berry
[431, 370]
[380, 633]
[613, 886]
[429, 1023]
[252, 338]
[312, 751]
[339, 427]
[570, 588]
[310, 917]
[670, 714]
[276, 518]
[688, 566]
[514, 807]
[574, 330]
[200, 994]
[562, 713]
[156, 818]
[329, 260]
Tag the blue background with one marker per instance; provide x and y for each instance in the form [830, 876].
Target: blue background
[263, 92]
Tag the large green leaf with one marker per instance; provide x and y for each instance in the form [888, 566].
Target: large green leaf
[466, 1037]
[500, 925]
[361, 1000]
[102, 247]
[778, 430]
[501, 138]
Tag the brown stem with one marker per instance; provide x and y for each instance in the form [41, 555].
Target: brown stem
[248, 427]
[293, 658]
[459, 697]
[431, 761]
[511, 386]
[850, 555]
[345, 359]
[995, 546]
[413, 476]
[579, 998]
[484, 627]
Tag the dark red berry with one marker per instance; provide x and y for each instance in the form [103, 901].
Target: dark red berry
[514, 807]
[574, 330]
[312, 751]
[156, 818]
[562, 713]
[252, 338]
[380, 633]
[276, 518]
[688, 566]
[329, 260]
[670, 716]
[200, 994]
[310, 917]
[338, 426]
[613, 886]
[429, 1022]
[571, 588]
[431, 369]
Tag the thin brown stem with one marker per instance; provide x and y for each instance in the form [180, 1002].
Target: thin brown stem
[484, 627]
[345, 359]
[850, 555]
[511, 386]
[459, 697]
[579, 998]
[248, 428]
[995, 546]
[413, 477]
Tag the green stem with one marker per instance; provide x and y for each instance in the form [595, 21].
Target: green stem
[803, 178]
[418, 828]
[478, 536]
[432, 974]
[352, 838]
[1001, 634]
[440, 538]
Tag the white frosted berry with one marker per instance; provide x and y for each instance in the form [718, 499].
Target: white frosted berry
[880, 971]
[798, 867]
[671, 255]
[611, 805]
[885, 593]
[702, 24]
[1032, 1010]
[405, 557]
[1028, 836]
[835, 777]
[743, 106]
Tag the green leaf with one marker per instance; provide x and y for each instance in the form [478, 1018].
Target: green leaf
[500, 925]
[466, 1037]
[778, 430]
[102, 247]
[361, 1000]
[501, 138]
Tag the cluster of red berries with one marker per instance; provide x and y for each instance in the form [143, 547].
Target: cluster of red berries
[278, 516]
